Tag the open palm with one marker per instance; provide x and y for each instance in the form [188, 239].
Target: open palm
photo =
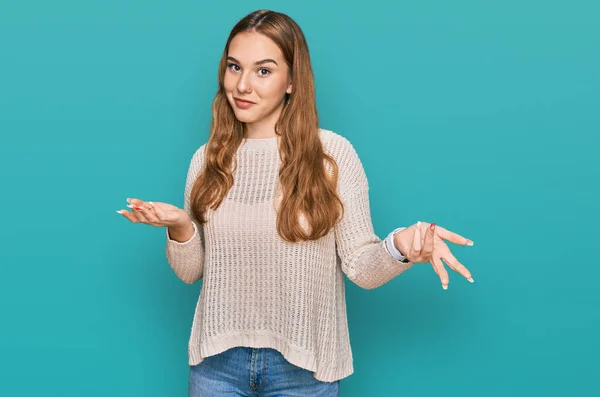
[155, 213]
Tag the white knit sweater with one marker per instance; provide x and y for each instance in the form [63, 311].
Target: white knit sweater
[261, 291]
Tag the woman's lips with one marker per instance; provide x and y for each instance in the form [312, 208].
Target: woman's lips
[243, 104]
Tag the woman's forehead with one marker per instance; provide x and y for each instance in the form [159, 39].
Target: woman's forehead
[252, 48]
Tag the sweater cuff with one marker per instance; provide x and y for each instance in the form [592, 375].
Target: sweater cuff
[183, 242]
[391, 247]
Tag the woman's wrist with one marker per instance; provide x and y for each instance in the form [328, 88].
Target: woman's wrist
[182, 233]
[393, 246]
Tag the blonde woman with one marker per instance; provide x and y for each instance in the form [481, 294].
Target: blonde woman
[276, 212]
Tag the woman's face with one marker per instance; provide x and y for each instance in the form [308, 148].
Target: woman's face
[256, 72]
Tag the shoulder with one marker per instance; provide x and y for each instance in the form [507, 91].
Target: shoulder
[351, 171]
[196, 162]
[338, 146]
[341, 149]
[198, 156]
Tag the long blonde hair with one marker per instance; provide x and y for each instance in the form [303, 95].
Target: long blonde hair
[306, 187]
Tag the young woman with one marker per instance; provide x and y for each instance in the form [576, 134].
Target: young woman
[276, 211]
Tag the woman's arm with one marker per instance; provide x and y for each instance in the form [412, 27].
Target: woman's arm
[364, 257]
[186, 258]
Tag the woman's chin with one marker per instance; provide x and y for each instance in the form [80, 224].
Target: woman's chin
[244, 118]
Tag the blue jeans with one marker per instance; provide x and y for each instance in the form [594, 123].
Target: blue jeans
[255, 372]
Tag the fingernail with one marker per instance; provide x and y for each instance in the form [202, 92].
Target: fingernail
[444, 286]
[128, 200]
[470, 243]
[432, 226]
[119, 212]
[130, 206]
[471, 279]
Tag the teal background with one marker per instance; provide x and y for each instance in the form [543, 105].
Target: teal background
[483, 118]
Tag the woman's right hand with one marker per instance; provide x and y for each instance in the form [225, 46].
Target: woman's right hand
[156, 214]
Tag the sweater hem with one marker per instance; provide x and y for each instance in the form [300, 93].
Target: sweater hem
[294, 354]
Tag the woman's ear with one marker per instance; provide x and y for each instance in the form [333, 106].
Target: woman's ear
[289, 89]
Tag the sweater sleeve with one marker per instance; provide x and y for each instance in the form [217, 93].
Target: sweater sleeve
[364, 257]
[187, 258]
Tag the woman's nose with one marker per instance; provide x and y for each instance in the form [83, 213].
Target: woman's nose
[244, 84]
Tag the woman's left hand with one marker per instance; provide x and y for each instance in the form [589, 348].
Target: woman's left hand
[424, 242]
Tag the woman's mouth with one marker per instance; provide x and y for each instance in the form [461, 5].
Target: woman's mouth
[243, 104]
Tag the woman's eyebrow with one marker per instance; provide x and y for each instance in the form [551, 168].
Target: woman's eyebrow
[256, 63]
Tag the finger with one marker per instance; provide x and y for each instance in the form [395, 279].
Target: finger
[146, 212]
[134, 202]
[139, 214]
[440, 270]
[149, 214]
[427, 250]
[423, 227]
[455, 265]
[138, 205]
[129, 216]
[160, 215]
[416, 245]
[453, 237]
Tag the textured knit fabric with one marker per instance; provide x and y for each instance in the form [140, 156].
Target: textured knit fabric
[261, 291]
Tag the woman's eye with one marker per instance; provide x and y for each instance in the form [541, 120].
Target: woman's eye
[262, 71]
